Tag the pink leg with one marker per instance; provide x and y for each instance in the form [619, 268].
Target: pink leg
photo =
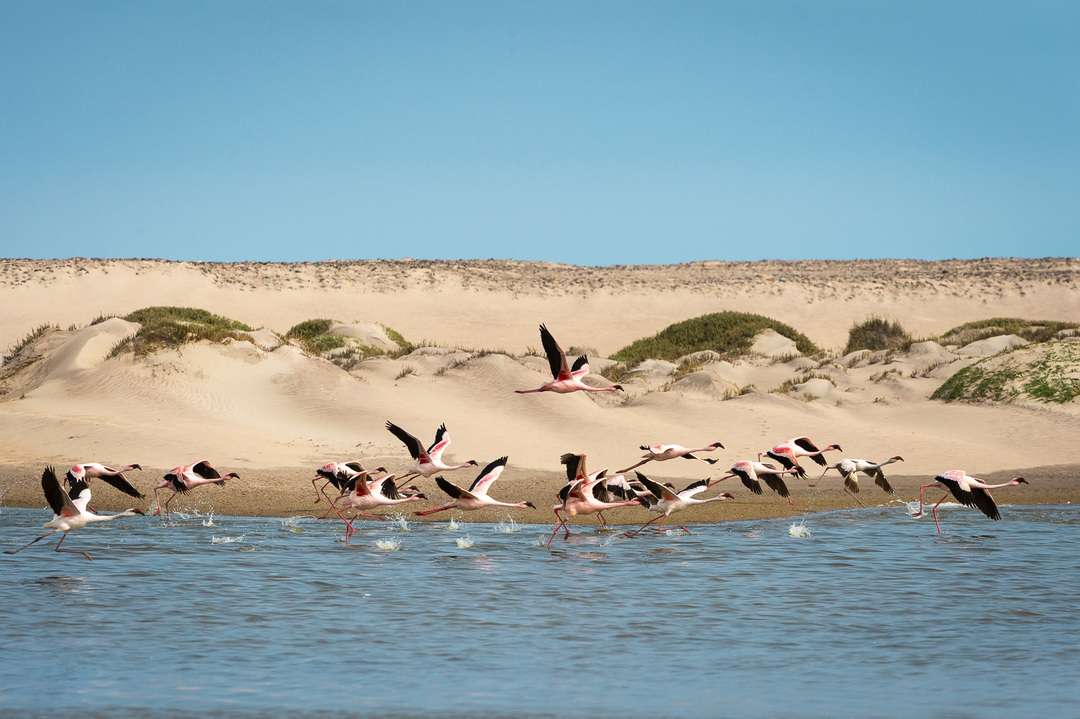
[560, 522]
[922, 495]
[638, 531]
[70, 551]
[934, 512]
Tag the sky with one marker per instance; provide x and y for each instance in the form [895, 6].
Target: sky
[594, 133]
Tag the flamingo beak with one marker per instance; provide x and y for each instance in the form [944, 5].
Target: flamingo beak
[619, 387]
[1021, 480]
[530, 505]
[137, 466]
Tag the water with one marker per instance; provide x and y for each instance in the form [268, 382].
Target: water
[869, 614]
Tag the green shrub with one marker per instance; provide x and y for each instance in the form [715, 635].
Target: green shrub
[1031, 330]
[877, 333]
[31, 337]
[170, 327]
[729, 333]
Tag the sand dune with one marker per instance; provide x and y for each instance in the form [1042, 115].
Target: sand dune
[255, 405]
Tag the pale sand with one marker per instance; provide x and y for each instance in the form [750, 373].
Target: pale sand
[246, 408]
[287, 491]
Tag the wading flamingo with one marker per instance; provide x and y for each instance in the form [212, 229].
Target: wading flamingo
[69, 510]
[476, 496]
[664, 452]
[184, 478]
[579, 496]
[342, 475]
[968, 491]
[427, 461]
[788, 453]
[670, 501]
[565, 379]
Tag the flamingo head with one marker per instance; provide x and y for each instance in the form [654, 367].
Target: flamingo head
[379, 469]
[836, 447]
[231, 475]
[137, 466]
[726, 495]
[137, 511]
[619, 387]
[530, 505]
[1020, 480]
[473, 462]
[897, 458]
[717, 445]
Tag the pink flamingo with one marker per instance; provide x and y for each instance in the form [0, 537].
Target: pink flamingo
[185, 478]
[343, 475]
[111, 476]
[427, 461]
[751, 474]
[69, 510]
[565, 379]
[788, 453]
[968, 491]
[476, 496]
[664, 452]
[579, 496]
[381, 492]
[671, 501]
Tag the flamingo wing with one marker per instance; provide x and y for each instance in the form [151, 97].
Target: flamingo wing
[805, 444]
[355, 466]
[80, 495]
[204, 469]
[879, 480]
[453, 490]
[442, 441]
[785, 461]
[750, 482]
[695, 488]
[660, 491]
[581, 367]
[119, 481]
[416, 450]
[976, 497]
[575, 466]
[384, 486]
[59, 501]
[488, 475]
[560, 370]
[776, 484]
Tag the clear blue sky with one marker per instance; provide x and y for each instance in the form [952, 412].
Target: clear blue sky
[585, 132]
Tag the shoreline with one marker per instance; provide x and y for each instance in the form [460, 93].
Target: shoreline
[287, 491]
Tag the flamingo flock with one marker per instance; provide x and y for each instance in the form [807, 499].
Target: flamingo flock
[361, 492]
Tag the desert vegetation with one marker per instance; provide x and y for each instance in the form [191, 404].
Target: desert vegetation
[877, 333]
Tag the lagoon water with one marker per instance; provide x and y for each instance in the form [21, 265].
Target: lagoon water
[861, 613]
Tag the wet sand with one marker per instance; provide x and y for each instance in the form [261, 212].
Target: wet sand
[287, 491]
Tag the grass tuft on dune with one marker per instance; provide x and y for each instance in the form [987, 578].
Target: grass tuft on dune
[315, 337]
[1048, 372]
[877, 333]
[31, 337]
[731, 334]
[170, 327]
[1031, 330]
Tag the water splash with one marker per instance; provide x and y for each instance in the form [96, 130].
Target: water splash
[507, 526]
[292, 524]
[401, 521]
[388, 545]
[799, 530]
[226, 539]
[464, 542]
[209, 521]
[453, 525]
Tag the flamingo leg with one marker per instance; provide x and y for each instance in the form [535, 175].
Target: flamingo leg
[16, 551]
[635, 466]
[85, 555]
[441, 508]
[854, 497]
[922, 495]
[638, 531]
[560, 522]
[934, 512]
[600, 518]
[169, 501]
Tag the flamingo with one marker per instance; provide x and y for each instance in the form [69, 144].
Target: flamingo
[579, 496]
[476, 496]
[752, 473]
[184, 478]
[69, 511]
[670, 501]
[968, 491]
[428, 461]
[849, 469]
[664, 452]
[109, 475]
[788, 453]
[342, 475]
[565, 379]
[381, 492]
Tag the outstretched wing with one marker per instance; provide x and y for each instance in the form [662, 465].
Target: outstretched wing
[442, 441]
[749, 482]
[786, 462]
[806, 444]
[555, 355]
[79, 492]
[851, 481]
[575, 466]
[205, 470]
[416, 450]
[452, 489]
[59, 502]
[976, 497]
[659, 491]
[119, 481]
[776, 484]
[487, 476]
[879, 480]
[386, 486]
[581, 367]
[695, 488]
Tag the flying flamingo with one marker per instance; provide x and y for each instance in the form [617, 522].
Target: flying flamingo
[788, 453]
[381, 492]
[664, 452]
[849, 469]
[109, 475]
[184, 478]
[427, 461]
[968, 491]
[671, 501]
[476, 496]
[565, 379]
[751, 474]
[69, 510]
[579, 496]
